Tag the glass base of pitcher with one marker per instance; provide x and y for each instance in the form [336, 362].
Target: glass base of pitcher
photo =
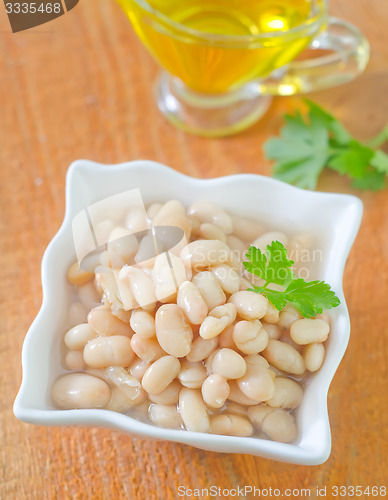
[207, 114]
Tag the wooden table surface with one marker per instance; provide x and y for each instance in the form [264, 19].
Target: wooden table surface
[81, 87]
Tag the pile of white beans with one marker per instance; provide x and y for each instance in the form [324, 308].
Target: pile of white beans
[200, 353]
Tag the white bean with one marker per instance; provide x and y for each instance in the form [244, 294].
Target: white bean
[138, 367]
[201, 349]
[287, 394]
[77, 337]
[171, 207]
[153, 209]
[250, 305]
[209, 361]
[143, 323]
[102, 321]
[237, 396]
[122, 247]
[225, 338]
[193, 410]
[209, 231]
[237, 409]
[208, 212]
[121, 402]
[244, 285]
[124, 290]
[76, 276]
[147, 349]
[160, 374]
[272, 314]
[141, 286]
[287, 316]
[272, 330]
[121, 314]
[165, 416]
[219, 318]
[298, 246]
[128, 384]
[103, 259]
[80, 390]
[236, 245]
[229, 364]
[228, 277]
[210, 289]
[169, 396]
[246, 229]
[108, 351]
[266, 239]
[256, 360]
[313, 355]
[215, 391]
[149, 246]
[226, 310]
[205, 253]
[192, 375]
[106, 280]
[88, 296]
[173, 331]
[284, 357]
[136, 221]
[231, 425]
[168, 273]
[184, 223]
[307, 331]
[190, 300]
[74, 361]
[257, 383]
[250, 336]
[195, 226]
[278, 424]
[173, 213]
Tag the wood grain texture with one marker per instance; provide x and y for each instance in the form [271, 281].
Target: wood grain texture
[81, 87]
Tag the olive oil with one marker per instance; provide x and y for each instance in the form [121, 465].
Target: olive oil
[200, 41]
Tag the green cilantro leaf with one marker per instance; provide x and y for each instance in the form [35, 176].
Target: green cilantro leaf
[308, 144]
[273, 266]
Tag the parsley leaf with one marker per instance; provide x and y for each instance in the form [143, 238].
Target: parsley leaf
[372, 180]
[355, 158]
[339, 132]
[273, 266]
[307, 145]
[301, 152]
[380, 161]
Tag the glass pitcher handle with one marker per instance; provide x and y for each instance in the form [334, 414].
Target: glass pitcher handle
[348, 57]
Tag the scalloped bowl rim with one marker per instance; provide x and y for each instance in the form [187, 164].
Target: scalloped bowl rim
[307, 450]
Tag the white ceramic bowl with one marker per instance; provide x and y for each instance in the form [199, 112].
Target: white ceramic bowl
[333, 219]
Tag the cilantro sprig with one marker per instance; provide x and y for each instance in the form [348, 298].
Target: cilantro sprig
[274, 267]
[306, 146]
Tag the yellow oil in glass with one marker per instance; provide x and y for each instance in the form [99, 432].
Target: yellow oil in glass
[220, 65]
